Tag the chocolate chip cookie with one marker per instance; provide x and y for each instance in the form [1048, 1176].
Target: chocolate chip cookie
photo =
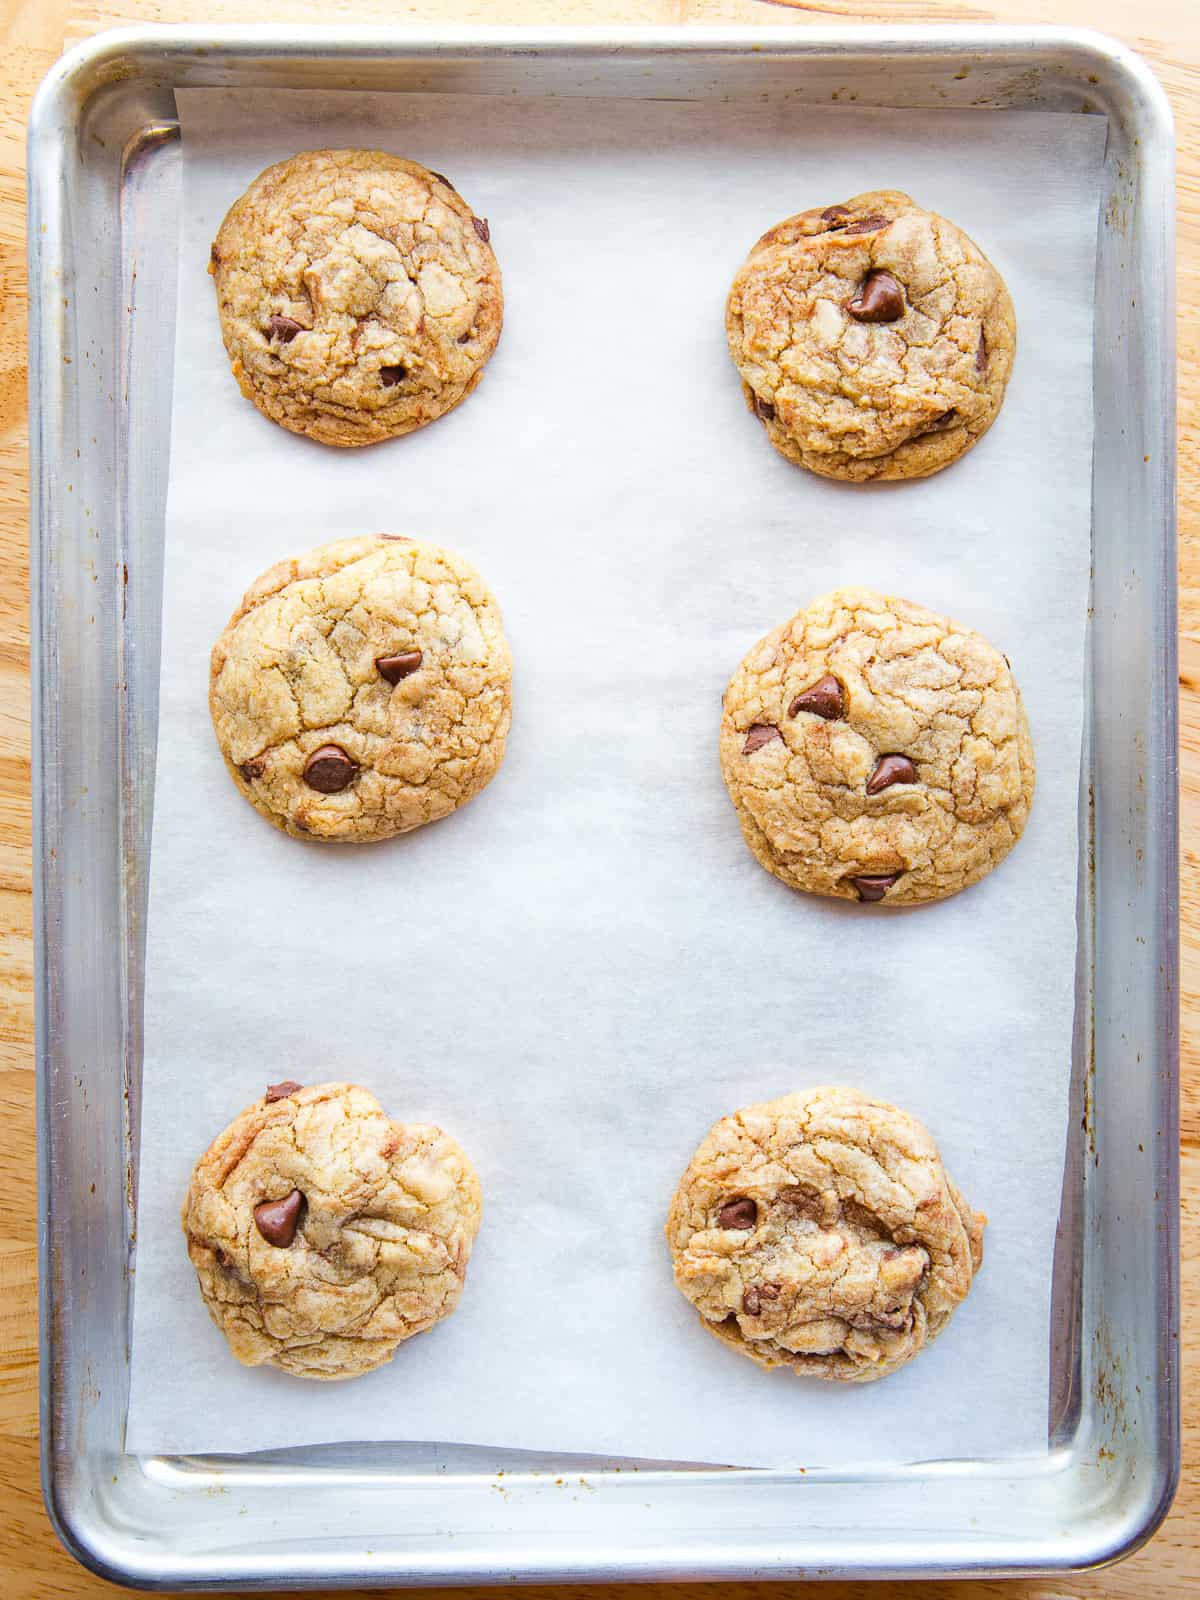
[324, 1234]
[358, 294]
[820, 1232]
[362, 689]
[877, 751]
[874, 339]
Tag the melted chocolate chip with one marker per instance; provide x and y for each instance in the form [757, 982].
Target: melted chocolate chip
[807, 1202]
[393, 668]
[222, 1259]
[389, 377]
[837, 215]
[769, 1291]
[892, 1319]
[741, 1214]
[480, 224]
[867, 225]
[253, 769]
[277, 1220]
[760, 734]
[876, 886]
[764, 408]
[889, 770]
[981, 353]
[465, 338]
[859, 1216]
[823, 699]
[329, 769]
[946, 420]
[281, 1091]
[879, 299]
[283, 329]
[442, 178]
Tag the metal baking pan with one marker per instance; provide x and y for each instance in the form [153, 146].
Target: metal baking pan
[103, 231]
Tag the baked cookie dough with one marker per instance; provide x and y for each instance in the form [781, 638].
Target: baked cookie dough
[876, 751]
[362, 689]
[874, 339]
[324, 1234]
[358, 294]
[820, 1232]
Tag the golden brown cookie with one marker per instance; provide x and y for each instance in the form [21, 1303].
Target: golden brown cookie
[358, 294]
[362, 689]
[821, 1232]
[324, 1234]
[874, 339]
[875, 750]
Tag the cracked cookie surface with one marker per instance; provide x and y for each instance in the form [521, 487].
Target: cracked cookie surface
[820, 1232]
[324, 1234]
[362, 689]
[358, 295]
[875, 750]
[874, 339]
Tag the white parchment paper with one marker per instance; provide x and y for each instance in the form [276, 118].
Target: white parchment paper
[583, 969]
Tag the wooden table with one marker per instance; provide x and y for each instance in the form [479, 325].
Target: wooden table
[32, 1565]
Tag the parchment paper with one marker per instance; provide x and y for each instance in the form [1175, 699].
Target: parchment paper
[583, 969]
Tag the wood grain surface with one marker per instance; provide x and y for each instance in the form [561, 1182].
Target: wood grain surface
[1167, 32]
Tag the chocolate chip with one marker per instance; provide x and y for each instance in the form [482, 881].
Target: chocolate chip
[859, 1216]
[889, 770]
[760, 734]
[465, 338]
[896, 1317]
[756, 1294]
[764, 408]
[946, 420]
[879, 299]
[214, 257]
[875, 887]
[892, 1319]
[805, 1201]
[284, 329]
[981, 353]
[824, 699]
[281, 1091]
[867, 225]
[480, 224]
[329, 769]
[253, 769]
[277, 1220]
[393, 668]
[442, 178]
[835, 214]
[740, 1214]
[222, 1259]
[391, 376]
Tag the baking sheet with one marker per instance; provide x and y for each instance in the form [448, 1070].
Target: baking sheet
[583, 969]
